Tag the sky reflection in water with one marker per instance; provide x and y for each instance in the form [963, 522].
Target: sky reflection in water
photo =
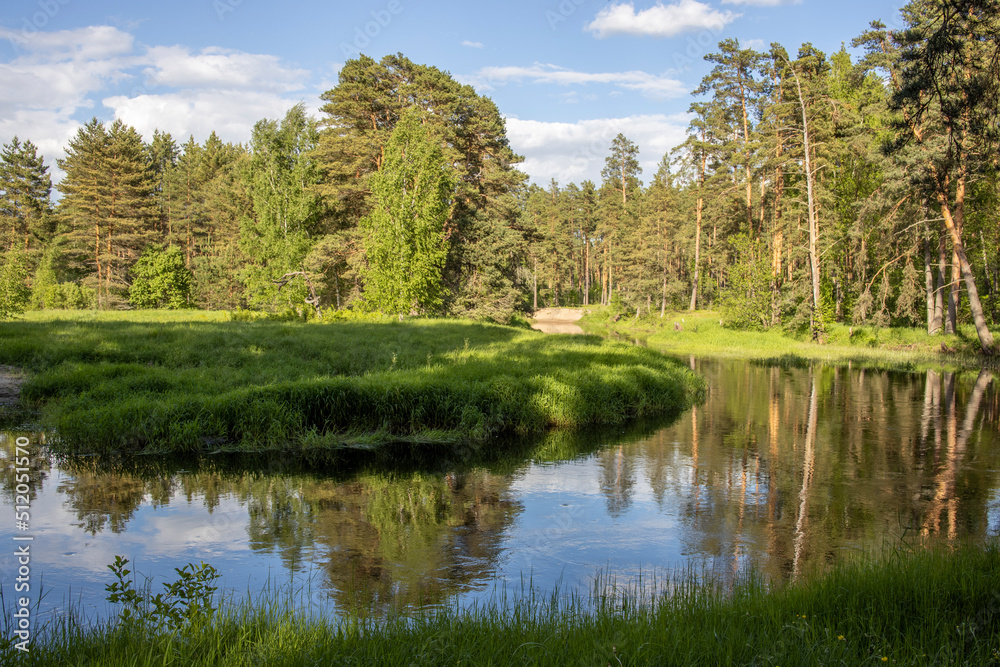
[785, 469]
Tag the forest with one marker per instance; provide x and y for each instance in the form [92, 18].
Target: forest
[811, 189]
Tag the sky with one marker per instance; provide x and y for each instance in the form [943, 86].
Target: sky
[568, 75]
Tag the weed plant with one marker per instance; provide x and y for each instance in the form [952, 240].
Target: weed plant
[902, 608]
[142, 383]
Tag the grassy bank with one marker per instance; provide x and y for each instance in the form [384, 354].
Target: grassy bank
[924, 608]
[158, 382]
[701, 333]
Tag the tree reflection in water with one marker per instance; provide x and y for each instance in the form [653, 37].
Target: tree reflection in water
[785, 468]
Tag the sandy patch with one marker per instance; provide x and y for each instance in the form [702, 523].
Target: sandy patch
[557, 320]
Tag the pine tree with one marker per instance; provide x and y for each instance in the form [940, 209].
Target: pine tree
[736, 92]
[133, 216]
[620, 187]
[25, 208]
[108, 206]
[945, 77]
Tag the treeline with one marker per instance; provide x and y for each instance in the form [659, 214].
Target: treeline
[285, 222]
[811, 189]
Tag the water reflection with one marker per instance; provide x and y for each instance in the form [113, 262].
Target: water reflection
[787, 468]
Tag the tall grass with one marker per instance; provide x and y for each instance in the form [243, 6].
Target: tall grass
[137, 384]
[914, 608]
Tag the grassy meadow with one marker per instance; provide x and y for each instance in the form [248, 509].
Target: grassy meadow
[903, 608]
[702, 333]
[193, 382]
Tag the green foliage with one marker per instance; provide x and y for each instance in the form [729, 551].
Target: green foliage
[160, 279]
[67, 296]
[404, 234]
[108, 206]
[184, 603]
[25, 209]
[14, 293]
[481, 276]
[277, 233]
[746, 301]
[703, 334]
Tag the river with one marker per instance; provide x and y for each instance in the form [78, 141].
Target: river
[785, 469]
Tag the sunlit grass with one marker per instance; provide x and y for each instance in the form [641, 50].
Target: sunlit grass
[912, 608]
[702, 333]
[155, 382]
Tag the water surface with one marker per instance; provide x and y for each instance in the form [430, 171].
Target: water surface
[787, 469]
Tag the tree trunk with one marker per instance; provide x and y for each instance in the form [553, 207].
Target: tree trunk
[953, 221]
[990, 288]
[954, 294]
[939, 292]
[813, 226]
[697, 254]
[929, 283]
[534, 287]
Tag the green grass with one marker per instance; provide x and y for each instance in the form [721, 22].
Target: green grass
[701, 334]
[153, 382]
[913, 608]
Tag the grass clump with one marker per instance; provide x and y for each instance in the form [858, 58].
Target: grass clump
[137, 384]
[913, 608]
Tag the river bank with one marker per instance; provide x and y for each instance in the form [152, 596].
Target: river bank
[936, 607]
[141, 384]
[703, 333]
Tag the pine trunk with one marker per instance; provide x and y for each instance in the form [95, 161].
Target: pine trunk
[697, 254]
[953, 221]
[929, 285]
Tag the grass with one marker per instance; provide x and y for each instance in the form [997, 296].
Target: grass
[903, 608]
[152, 382]
[701, 333]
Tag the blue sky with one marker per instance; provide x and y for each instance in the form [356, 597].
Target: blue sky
[568, 74]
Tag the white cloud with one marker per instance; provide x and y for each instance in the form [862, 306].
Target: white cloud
[230, 114]
[472, 45]
[659, 20]
[215, 68]
[574, 152]
[99, 42]
[60, 70]
[58, 79]
[644, 82]
[50, 130]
